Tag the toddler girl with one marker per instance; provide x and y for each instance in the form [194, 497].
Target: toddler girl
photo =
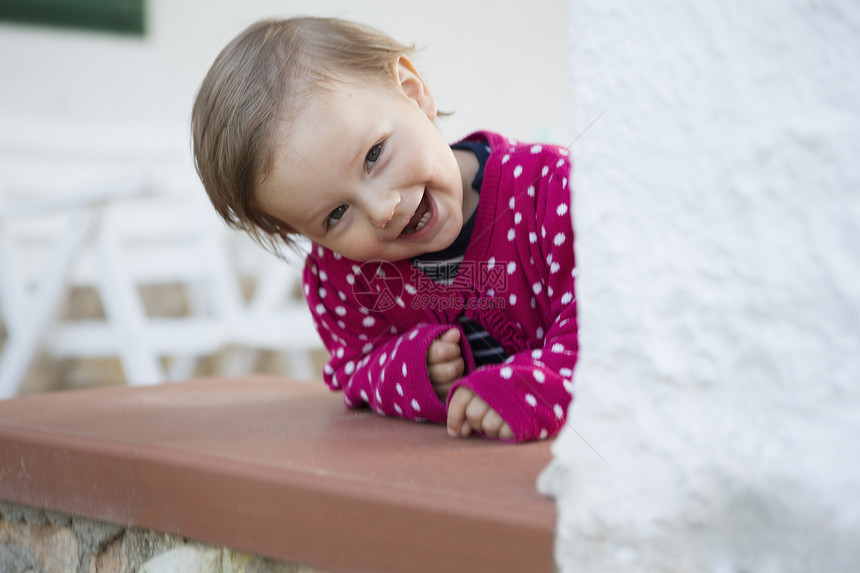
[441, 278]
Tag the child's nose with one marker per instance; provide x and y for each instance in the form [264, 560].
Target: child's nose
[383, 207]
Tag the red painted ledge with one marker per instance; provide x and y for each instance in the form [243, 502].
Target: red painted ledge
[280, 468]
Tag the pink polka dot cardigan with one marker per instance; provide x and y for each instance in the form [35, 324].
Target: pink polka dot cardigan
[378, 319]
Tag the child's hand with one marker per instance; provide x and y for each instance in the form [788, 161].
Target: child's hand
[445, 363]
[468, 412]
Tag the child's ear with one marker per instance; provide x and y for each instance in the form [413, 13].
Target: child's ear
[414, 86]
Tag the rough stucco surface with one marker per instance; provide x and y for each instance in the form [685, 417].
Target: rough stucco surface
[717, 209]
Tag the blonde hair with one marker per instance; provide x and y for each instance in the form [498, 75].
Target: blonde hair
[259, 79]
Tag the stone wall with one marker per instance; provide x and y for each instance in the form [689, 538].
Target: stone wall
[37, 541]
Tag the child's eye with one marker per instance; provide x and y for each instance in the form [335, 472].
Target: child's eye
[336, 216]
[372, 156]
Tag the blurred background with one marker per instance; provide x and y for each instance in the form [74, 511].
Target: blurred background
[113, 268]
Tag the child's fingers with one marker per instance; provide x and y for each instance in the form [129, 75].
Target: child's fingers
[442, 351]
[457, 410]
[446, 372]
[506, 433]
[492, 423]
[476, 410]
[452, 336]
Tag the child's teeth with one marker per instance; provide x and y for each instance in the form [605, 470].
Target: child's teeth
[424, 218]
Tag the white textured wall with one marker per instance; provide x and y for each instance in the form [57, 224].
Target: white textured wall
[717, 207]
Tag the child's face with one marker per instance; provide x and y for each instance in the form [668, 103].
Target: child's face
[364, 172]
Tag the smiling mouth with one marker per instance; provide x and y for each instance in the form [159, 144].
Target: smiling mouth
[419, 218]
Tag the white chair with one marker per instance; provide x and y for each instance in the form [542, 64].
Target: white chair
[120, 235]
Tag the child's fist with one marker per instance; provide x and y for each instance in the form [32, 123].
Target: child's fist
[467, 412]
[445, 363]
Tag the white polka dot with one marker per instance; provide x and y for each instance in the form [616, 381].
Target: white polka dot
[534, 302]
[364, 396]
[561, 209]
[506, 373]
[559, 163]
[382, 358]
[532, 237]
[347, 400]
[531, 191]
[412, 336]
[415, 405]
[339, 352]
[340, 311]
[367, 348]
[378, 396]
[512, 235]
[350, 279]
[320, 309]
[543, 231]
[512, 299]
[307, 289]
[566, 298]
[544, 171]
[536, 354]
[491, 263]
[328, 369]
[341, 324]
[350, 367]
[559, 239]
[566, 372]
[543, 434]
[399, 389]
[404, 370]
[334, 382]
[368, 321]
[539, 333]
[518, 218]
[511, 203]
[558, 347]
[531, 400]
[549, 291]
[398, 409]
[559, 411]
[491, 292]
[410, 289]
[518, 170]
[536, 149]
[539, 376]
[512, 267]
[568, 385]
[505, 159]
[537, 288]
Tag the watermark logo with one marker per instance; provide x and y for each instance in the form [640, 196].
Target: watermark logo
[381, 287]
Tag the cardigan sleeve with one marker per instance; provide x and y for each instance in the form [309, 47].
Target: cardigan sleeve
[533, 388]
[372, 361]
